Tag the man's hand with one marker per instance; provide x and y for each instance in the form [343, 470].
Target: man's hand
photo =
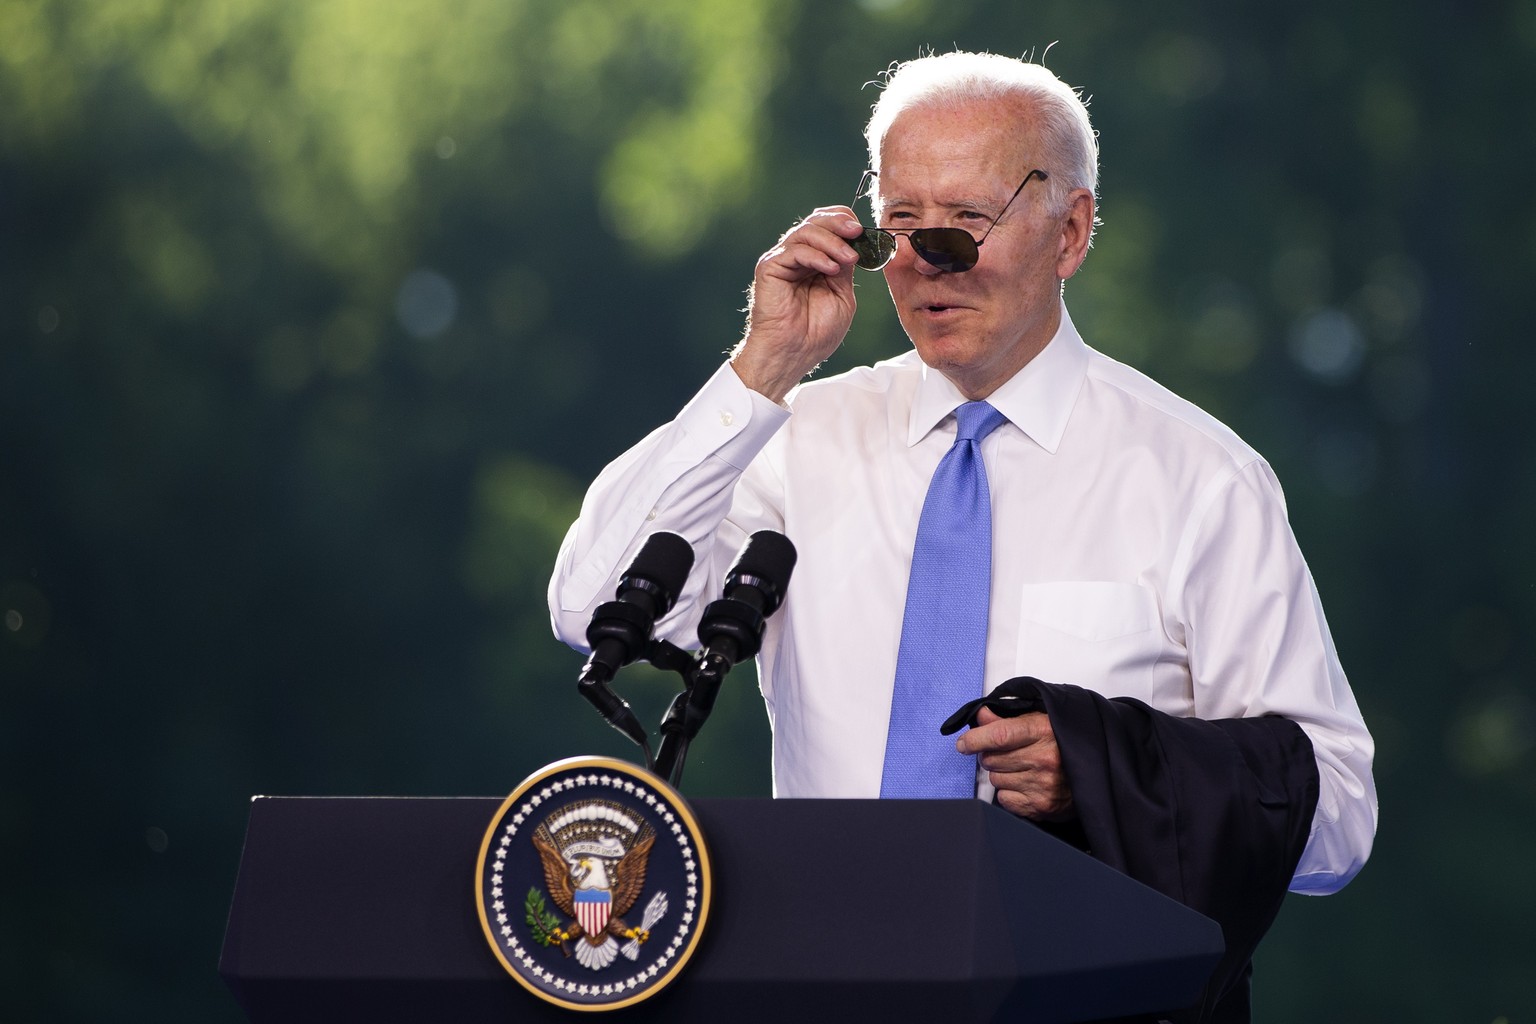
[1022, 760]
[801, 303]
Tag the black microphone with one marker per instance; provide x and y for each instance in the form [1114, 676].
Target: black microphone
[732, 627]
[620, 630]
[731, 630]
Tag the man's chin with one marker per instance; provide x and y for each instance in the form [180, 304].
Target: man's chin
[947, 354]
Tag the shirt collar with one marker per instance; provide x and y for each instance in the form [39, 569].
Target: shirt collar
[1038, 399]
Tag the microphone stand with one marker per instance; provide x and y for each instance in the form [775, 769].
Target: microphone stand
[702, 675]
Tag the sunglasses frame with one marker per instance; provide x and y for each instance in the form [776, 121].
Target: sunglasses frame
[952, 259]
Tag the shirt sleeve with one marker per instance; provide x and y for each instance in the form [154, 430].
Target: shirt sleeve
[1259, 644]
[682, 478]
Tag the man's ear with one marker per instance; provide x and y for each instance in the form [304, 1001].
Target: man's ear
[1076, 233]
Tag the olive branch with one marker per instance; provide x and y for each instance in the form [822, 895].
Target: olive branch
[546, 926]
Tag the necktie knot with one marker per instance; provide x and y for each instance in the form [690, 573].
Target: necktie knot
[975, 420]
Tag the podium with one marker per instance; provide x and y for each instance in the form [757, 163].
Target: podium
[364, 909]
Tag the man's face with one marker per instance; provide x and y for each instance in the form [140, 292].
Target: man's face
[957, 168]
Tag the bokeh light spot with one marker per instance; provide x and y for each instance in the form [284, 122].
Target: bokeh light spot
[1494, 733]
[26, 612]
[1224, 336]
[1328, 345]
[426, 303]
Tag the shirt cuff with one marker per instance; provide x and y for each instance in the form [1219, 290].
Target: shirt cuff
[730, 420]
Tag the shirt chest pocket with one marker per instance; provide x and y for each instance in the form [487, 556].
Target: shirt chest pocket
[1100, 636]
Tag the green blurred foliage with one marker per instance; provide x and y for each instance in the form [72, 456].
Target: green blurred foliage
[316, 316]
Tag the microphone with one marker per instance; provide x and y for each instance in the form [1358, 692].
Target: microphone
[620, 630]
[731, 631]
[732, 627]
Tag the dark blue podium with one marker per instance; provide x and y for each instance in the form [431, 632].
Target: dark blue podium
[951, 910]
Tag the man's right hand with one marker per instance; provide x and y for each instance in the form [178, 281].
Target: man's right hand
[801, 303]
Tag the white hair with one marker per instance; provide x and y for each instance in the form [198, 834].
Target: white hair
[1071, 156]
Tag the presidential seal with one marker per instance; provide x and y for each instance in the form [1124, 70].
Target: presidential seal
[593, 884]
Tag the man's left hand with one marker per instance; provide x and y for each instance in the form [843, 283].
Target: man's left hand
[1022, 760]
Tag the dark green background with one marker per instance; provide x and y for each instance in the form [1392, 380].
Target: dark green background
[315, 316]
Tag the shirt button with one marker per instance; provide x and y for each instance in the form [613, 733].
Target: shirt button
[726, 419]
[650, 516]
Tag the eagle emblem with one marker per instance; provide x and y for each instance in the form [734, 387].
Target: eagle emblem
[593, 884]
[594, 855]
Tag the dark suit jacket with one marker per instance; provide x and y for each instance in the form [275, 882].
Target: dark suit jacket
[1214, 814]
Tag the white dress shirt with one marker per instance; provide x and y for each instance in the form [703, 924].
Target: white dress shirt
[1140, 549]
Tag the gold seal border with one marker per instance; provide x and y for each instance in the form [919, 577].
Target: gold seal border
[679, 806]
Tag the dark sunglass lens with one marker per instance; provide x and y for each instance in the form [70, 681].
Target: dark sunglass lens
[875, 248]
[951, 249]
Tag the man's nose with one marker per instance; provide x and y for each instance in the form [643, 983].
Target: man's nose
[905, 250]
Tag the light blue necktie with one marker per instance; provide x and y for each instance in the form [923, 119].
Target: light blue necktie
[944, 629]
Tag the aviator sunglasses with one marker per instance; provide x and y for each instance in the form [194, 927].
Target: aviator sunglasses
[951, 249]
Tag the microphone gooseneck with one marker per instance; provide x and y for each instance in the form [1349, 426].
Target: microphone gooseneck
[620, 630]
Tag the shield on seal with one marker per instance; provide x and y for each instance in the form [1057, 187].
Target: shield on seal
[592, 906]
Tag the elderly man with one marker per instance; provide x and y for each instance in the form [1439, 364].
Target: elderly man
[1001, 501]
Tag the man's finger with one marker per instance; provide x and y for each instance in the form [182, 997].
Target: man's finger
[992, 732]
